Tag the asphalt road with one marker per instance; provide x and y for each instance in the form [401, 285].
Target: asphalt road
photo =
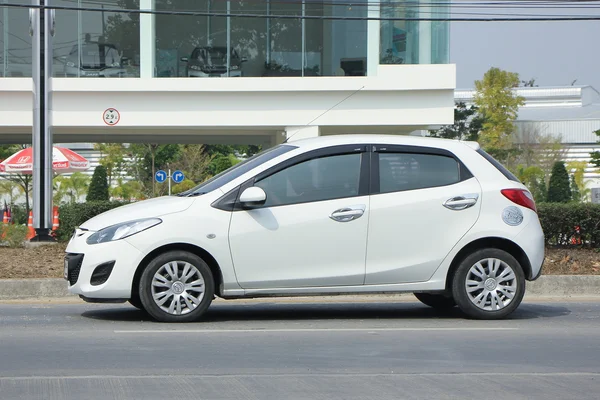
[287, 350]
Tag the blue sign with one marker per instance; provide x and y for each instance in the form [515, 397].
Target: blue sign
[160, 176]
[177, 176]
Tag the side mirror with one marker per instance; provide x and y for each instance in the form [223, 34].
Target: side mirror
[253, 197]
[184, 59]
[244, 59]
[124, 59]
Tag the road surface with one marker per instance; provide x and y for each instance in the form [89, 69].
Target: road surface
[299, 350]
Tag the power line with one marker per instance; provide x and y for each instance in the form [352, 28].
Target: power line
[540, 18]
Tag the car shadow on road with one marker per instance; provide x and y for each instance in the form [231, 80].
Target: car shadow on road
[272, 311]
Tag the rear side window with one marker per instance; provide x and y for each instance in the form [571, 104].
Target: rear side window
[409, 171]
[498, 166]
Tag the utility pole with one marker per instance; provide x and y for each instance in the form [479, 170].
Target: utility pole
[41, 28]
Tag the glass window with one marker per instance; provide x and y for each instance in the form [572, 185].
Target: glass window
[509, 175]
[97, 44]
[336, 47]
[314, 180]
[406, 171]
[277, 42]
[15, 42]
[407, 41]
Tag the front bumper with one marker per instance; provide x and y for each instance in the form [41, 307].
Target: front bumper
[83, 259]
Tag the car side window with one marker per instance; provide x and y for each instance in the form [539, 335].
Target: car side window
[317, 179]
[407, 171]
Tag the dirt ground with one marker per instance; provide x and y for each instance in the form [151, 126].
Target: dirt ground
[47, 262]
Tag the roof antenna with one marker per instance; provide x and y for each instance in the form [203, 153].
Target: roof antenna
[323, 113]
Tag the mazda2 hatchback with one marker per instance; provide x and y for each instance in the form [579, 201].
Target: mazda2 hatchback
[339, 214]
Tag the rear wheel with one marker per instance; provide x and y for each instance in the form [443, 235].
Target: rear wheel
[176, 286]
[488, 284]
[437, 301]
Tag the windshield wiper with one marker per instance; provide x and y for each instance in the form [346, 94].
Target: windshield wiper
[196, 194]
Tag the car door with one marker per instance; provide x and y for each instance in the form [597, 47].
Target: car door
[423, 201]
[312, 229]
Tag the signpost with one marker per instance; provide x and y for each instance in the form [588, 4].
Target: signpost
[111, 116]
[596, 195]
[160, 176]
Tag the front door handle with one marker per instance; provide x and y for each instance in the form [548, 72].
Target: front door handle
[461, 202]
[348, 214]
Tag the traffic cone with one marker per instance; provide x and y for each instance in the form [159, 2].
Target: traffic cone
[55, 222]
[5, 218]
[31, 232]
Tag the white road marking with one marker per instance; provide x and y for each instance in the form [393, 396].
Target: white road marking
[311, 330]
[292, 375]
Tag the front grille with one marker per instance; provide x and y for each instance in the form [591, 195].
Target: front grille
[74, 262]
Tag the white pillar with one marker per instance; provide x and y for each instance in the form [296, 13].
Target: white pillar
[373, 29]
[147, 39]
[301, 132]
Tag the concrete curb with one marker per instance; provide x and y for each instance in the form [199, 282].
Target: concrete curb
[556, 286]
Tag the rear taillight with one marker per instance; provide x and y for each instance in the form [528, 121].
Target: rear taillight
[521, 197]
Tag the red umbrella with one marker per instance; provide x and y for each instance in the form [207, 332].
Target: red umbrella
[63, 161]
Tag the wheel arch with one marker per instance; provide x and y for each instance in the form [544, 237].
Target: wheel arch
[199, 251]
[490, 242]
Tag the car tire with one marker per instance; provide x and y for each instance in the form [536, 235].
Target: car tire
[176, 286]
[488, 284]
[136, 302]
[437, 301]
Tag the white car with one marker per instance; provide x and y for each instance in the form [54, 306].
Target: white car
[336, 214]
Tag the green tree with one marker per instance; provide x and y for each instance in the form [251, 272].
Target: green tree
[559, 189]
[73, 187]
[534, 178]
[128, 191]
[98, 190]
[467, 124]
[194, 161]
[112, 157]
[187, 184]
[575, 193]
[220, 163]
[577, 170]
[147, 158]
[499, 106]
[595, 155]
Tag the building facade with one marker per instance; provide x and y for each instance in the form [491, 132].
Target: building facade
[231, 71]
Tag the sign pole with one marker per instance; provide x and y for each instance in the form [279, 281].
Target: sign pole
[41, 28]
[169, 178]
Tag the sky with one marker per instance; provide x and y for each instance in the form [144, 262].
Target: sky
[553, 53]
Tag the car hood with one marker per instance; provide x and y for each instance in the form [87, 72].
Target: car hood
[143, 209]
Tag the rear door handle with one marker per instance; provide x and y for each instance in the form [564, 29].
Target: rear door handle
[461, 202]
[348, 214]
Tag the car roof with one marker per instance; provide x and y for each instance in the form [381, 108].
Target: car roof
[334, 140]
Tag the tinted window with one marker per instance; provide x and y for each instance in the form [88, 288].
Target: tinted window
[238, 170]
[406, 171]
[314, 180]
[498, 166]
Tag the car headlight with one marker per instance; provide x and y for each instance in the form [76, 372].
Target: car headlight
[70, 64]
[121, 231]
[195, 67]
[234, 67]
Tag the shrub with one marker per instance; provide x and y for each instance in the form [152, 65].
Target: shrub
[19, 214]
[73, 215]
[14, 235]
[559, 188]
[98, 190]
[183, 186]
[559, 221]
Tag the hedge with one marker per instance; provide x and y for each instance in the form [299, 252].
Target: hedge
[73, 215]
[559, 221]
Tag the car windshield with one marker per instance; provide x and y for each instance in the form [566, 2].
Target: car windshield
[237, 170]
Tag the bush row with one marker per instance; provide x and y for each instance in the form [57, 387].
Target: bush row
[568, 224]
[73, 215]
[559, 221]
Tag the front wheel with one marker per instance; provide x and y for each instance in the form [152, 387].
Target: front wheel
[488, 284]
[176, 286]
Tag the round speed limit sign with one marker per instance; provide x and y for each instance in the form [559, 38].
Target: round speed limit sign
[111, 117]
